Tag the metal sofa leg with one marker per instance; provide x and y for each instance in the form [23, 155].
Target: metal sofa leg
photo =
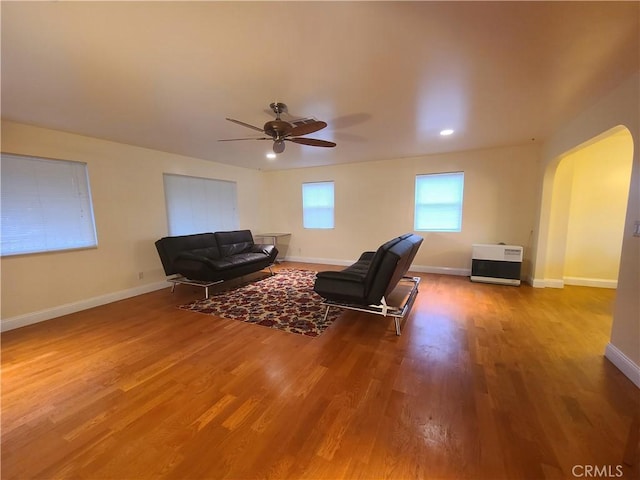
[326, 313]
[397, 319]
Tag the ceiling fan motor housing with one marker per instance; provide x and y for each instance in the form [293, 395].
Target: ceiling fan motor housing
[277, 128]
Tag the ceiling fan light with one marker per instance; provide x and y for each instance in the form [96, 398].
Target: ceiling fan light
[278, 146]
[446, 132]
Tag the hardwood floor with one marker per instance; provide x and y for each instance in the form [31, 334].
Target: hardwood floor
[486, 382]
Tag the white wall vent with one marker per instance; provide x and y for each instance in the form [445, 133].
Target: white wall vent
[496, 264]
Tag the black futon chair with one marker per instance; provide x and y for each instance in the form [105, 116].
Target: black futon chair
[367, 284]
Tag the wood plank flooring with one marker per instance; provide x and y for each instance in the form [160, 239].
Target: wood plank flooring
[486, 382]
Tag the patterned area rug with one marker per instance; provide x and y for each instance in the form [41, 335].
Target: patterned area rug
[285, 301]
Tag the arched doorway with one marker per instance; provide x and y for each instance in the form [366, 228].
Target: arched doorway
[587, 211]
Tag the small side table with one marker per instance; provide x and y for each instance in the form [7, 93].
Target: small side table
[277, 240]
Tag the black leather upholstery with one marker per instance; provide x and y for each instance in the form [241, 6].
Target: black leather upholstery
[170, 247]
[214, 256]
[373, 276]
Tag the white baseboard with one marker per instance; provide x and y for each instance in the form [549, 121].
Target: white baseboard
[624, 363]
[547, 282]
[577, 281]
[49, 313]
[591, 282]
[465, 272]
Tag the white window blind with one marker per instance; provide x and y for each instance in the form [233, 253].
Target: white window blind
[197, 205]
[438, 202]
[317, 205]
[46, 205]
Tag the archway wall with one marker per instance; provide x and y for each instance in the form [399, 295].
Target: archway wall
[619, 108]
[589, 203]
[599, 197]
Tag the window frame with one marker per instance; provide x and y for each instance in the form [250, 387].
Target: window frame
[439, 207]
[308, 222]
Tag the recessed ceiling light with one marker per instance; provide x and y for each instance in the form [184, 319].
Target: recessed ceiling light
[446, 132]
[271, 156]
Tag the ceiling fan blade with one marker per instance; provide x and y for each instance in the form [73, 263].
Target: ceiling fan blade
[245, 124]
[307, 128]
[314, 142]
[248, 138]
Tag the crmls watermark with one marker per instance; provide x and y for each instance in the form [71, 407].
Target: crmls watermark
[597, 471]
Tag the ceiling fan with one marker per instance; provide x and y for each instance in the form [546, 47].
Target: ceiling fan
[280, 130]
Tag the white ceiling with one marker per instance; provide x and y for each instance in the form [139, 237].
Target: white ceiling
[385, 76]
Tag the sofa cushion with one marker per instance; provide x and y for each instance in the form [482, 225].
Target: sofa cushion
[211, 252]
[236, 248]
[340, 286]
[376, 260]
[358, 270]
[234, 242]
[346, 285]
[233, 261]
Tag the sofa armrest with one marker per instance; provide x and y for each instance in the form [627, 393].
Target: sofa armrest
[262, 248]
[343, 286]
[267, 249]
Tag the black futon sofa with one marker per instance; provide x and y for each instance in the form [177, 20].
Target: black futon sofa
[204, 259]
[367, 284]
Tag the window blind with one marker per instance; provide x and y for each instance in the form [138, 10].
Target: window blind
[46, 205]
[318, 205]
[438, 202]
[197, 205]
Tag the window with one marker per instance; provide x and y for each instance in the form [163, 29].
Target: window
[439, 202]
[46, 205]
[197, 205]
[317, 205]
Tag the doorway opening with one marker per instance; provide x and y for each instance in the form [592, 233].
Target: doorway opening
[588, 209]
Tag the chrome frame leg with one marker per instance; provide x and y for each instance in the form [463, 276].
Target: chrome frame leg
[384, 309]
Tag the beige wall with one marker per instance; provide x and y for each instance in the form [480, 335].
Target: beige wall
[374, 202]
[599, 194]
[129, 207]
[558, 224]
[618, 108]
[589, 204]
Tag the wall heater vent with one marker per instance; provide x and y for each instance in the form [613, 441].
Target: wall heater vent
[496, 264]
